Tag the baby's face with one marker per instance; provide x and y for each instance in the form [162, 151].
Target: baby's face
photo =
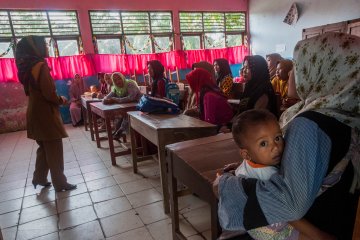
[264, 143]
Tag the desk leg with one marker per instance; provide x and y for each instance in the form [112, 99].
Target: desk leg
[111, 140]
[85, 117]
[96, 129]
[215, 226]
[133, 149]
[91, 121]
[176, 234]
[164, 177]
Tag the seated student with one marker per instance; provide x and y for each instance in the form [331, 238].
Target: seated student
[156, 72]
[224, 78]
[259, 138]
[124, 90]
[191, 108]
[103, 85]
[258, 91]
[212, 104]
[322, 137]
[280, 81]
[94, 91]
[75, 92]
[291, 96]
[272, 61]
[109, 83]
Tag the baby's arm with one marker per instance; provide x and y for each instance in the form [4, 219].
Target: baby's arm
[309, 232]
[231, 167]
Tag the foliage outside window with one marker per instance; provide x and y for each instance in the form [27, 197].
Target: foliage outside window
[60, 28]
[135, 32]
[212, 29]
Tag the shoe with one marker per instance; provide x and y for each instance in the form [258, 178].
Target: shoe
[67, 187]
[47, 184]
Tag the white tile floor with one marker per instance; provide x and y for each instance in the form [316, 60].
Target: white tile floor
[109, 203]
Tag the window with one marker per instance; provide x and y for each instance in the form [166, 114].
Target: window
[131, 32]
[212, 29]
[108, 46]
[60, 28]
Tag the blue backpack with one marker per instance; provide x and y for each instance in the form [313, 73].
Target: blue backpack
[157, 105]
[172, 91]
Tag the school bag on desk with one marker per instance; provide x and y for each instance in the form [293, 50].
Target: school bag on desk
[157, 105]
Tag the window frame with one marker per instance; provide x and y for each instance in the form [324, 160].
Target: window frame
[55, 38]
[122, 35]
[203, 31]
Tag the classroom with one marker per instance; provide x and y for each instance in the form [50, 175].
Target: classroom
[136, 119]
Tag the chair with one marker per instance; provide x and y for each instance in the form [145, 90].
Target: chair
[176, 72]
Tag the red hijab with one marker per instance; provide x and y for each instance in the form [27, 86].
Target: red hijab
[198, 79]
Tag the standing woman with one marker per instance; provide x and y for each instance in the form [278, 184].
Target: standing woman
[156, 72]
[43, 117]
[258, 91]
[224, 78]
[76, 90]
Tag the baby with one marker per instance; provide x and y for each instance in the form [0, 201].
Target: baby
[261, 144]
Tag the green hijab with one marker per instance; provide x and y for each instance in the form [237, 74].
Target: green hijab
[121, 91]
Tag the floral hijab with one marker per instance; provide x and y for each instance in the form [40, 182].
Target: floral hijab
[327, 77]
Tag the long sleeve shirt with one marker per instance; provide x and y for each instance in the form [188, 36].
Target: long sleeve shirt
[133, 94]
[313, 146]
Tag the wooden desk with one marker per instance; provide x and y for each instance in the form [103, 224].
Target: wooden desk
[108, 112]
[195, 164]
[163, 129]
[85, 106]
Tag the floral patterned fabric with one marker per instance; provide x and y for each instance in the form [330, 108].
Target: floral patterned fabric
[226, 85]
[327, 77]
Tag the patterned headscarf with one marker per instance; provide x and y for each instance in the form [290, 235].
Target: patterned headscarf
[224, 69]
[29, 51]
[327, 77]
[258, 85]
[275, 58]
